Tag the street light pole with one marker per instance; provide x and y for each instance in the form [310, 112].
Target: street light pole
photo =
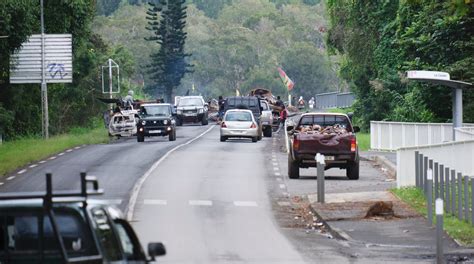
[44, 87]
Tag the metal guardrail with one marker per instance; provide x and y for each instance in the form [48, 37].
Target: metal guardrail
[393, 135]
[440, 181]
[334, 100]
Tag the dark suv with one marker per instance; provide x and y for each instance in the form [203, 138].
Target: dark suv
[191, 109]
[246, 102]
[156, 120]
[66, 227]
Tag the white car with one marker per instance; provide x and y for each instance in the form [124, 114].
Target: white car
[239, 123]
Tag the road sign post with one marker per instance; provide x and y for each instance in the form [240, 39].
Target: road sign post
[320, 163]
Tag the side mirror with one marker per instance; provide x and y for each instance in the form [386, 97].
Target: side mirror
[356, 129]
[155, 250]
[289, 128]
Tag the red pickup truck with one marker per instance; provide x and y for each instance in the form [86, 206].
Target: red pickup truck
[329, 134]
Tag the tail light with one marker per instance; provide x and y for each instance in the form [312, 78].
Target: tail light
[253, 125]
[353, 144]
[296, 144]
[223, 125]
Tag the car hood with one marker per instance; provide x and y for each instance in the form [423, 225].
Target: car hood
[189, 107]
[155, 118]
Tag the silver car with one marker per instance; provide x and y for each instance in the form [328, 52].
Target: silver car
[239, 123]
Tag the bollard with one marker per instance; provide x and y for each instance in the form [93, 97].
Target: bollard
[425, 169]
[448, 190]
[453, 192]
[472, 201]
[460, 196]
[441, 182]
[439, 231]
[429, 204]
[466, 198]
[417, 168]
[436, 180]
[430, 166]
[320, 163]
[422, 171]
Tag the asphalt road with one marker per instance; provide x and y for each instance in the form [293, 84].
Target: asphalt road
[208, 202]
[117, 165]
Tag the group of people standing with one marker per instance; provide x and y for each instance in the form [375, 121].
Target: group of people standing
[302, 103]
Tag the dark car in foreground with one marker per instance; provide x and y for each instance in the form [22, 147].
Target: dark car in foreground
[329, 134]
[156, 120]
[67, 227]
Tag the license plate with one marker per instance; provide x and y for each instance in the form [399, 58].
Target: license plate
[154, 131]
[190, 114]
[265, 123]
[328, 157]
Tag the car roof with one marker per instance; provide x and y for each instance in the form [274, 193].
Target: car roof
[239, 110]
[153, 104]
[191, 96]
[326, 114]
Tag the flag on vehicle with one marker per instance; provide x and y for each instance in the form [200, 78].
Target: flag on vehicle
[286, 80]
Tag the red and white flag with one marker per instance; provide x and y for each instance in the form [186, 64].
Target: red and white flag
[286, 80]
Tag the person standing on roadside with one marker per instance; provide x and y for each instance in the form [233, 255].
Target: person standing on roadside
[301, 103]
[221, 103]
[311, 103]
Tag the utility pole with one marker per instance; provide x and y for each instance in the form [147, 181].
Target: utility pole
[44, 87]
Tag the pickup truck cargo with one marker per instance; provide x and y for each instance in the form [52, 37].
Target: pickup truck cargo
[326, 133]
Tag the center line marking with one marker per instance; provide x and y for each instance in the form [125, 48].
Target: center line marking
[282, 186]
[279, 179]
[111, 201]
[277, 174]
[32, 166]
[275, 164]
[245, 203]
[276, 168]
[200, 202]
[22, 171]
[155, 202]
[10, 178]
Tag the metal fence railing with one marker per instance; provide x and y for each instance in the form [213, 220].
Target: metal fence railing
[334, 100]
[439, 181]
[464, 133]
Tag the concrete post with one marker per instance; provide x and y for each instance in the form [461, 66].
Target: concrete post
[417, 168]
[439, 231]
[320, 170]
[429, 196]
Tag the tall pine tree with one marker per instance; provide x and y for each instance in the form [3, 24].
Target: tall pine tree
[167, 20]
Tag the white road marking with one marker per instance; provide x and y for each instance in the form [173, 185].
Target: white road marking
[10, 178]
[1, 183]
[282, 186]
[245, 203]
[32, 166]
[138, 185]
[275, 164]
[284, 203]
[155, 202]
[278, 179]
[77, 147]
[112, 201]
[277, 174]
[200, 202]
[53, 157]
[62, 153]
[276, 168]
[286, 194]
[43, 161]
[22, 171]
[69, 150]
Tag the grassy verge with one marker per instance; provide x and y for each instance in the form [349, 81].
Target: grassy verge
[363, 139]
[460, 230]
[20, 152]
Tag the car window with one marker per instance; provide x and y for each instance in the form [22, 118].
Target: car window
[130, 246]
[325, 120]
[190, 102]
[155, 110]
[264, 106]
[106, 235]
[238, 116]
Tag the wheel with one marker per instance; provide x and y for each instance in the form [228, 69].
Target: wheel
[204, 121]
[223, 139]
[293, 168]
[267, 132]
[172, 136]
[140, 138]
[352, 172]
[254, 139]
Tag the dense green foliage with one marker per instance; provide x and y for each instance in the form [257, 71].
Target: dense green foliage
[69, 104]
[167, 21]
[380, 40]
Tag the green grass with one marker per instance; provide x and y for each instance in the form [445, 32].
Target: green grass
[18, 153]
[462, 231]
[341, 110]
[363, 139]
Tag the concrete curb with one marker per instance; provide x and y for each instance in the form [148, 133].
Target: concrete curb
[384, 162]
[333, 232]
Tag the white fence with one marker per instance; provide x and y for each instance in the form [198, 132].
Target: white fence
[458, 155]
[464, 133]
[334, 99]
[394, 135]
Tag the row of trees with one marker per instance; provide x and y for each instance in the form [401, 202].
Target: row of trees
[380, 40]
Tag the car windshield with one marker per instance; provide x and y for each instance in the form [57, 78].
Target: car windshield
[190, 102]
[155, 110]
[324, 120]
[238, 116]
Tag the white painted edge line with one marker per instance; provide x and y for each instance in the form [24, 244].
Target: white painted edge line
[1, 183]
[276, 168]
[277, 174]
[138, 185]
[32, 166]
[69, 150]
[282, 186]
[112, 201]
[10, 178]
[53, 157]
[22, 171]
[278, 179]
[200, 202]
[245, 203]
[155, 202]
[62, 153]
[77, 147]
[275, 164]
[41, 162]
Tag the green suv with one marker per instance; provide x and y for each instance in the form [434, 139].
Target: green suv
[67, 227]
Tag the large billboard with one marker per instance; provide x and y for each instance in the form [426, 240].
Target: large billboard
[25, 65]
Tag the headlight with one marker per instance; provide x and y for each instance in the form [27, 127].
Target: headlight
[200, 111]
[165, 122]
[143, 122]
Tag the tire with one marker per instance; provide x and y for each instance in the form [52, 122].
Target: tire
[140, 138]
[267, 132]
[204, 120]
[352, 171]
[172, 136]
[293, 168]
[254, 139]
[223, 139]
